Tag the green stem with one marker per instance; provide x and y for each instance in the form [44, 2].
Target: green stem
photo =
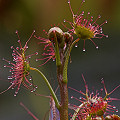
[62, 79]
[57, 55]
[49, 86]
[66, 61]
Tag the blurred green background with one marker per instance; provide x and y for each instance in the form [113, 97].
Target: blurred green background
[27, 15]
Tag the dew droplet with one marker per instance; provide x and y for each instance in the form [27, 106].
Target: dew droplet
[19, 41]
[36, 86]
[114, 107]
[30, 78]
[83, 49]
[5, 65]
[83, 1]
[11, 82]
[91, 19]
[53, 59]
[17, 48]
[76, 45]
[16, 31]
[106, 36]
[101, 89]
[116, 110]
[11, 47]
[88, 13]
[80, 98]
[25, 61]
[64, 20]
[99, 16]
[10, 77]
[31, 91]
[34, 89]
[16, 92]
[34, 31]
[68, 1]
[106, 21]
[36, 59]
[71, 97]
[15, 95]
[36, 53]
[96, 47]
[82, 13]
[100, 28]
[84, 20]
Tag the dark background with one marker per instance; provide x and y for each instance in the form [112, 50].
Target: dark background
[25, 16]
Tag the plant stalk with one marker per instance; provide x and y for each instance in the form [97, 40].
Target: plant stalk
[63, 93]
[49, 86]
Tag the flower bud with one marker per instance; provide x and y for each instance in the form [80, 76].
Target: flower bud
[115, 117]
[112, 117]
[55, 32]
[68, 37]
[108, 118]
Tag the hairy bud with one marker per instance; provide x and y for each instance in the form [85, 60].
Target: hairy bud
[55, 32]
[68, 37]
[108, 118]
[112, 117]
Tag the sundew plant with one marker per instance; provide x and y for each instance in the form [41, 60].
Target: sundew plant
[58, 45]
